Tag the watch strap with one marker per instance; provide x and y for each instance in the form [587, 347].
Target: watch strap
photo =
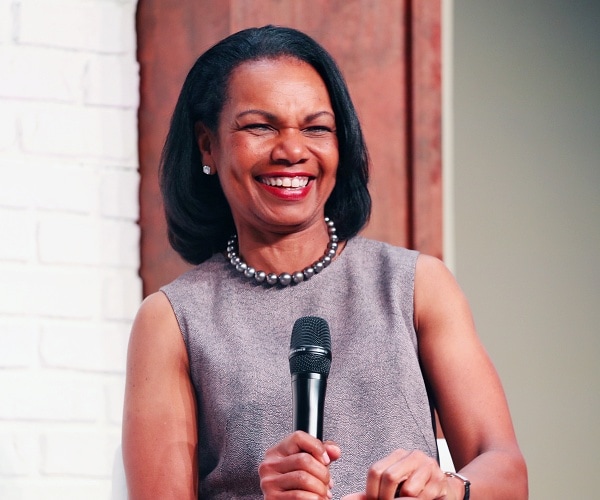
[466, 483]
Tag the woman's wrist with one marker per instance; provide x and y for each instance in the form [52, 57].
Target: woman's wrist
[461, 485]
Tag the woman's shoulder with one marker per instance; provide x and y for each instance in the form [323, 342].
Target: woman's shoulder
[155, 326]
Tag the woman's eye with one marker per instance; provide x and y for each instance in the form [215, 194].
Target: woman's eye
[257, 127]
[318, 130]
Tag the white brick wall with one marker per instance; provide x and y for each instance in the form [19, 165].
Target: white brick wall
[69, 242]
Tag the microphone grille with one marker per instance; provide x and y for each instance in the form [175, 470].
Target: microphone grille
[312, 333]
[311, 330]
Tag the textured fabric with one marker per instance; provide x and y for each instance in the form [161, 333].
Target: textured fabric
[238, 335]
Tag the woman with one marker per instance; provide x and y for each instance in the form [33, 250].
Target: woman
[265, 145]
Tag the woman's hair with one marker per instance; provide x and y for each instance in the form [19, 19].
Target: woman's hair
[198, 216]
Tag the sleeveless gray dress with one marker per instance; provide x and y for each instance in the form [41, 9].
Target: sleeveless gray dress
[238, 334]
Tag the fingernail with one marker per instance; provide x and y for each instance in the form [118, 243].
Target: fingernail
[329, 494]
[326, 458]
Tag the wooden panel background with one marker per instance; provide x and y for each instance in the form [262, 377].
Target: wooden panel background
[390, 54]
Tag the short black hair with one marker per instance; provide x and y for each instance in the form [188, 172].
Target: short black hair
[199, 219]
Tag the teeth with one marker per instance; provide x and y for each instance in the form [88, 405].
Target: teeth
[286, 182]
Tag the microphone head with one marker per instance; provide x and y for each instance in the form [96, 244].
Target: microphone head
[310, 347]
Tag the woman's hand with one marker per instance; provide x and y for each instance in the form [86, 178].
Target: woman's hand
[298, 465]
[405, 474]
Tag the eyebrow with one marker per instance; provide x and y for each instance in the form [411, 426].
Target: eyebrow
[272, 117]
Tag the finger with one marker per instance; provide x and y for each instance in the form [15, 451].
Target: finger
[300, 482]
[277, 466]
[333, 450]
[304, 462]
[355, 496]
[432, 486]
[385, 475]
[298, 466]
[300, 441]
[290, 466]
[426, 479]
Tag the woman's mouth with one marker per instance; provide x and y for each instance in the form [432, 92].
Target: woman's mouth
[285, 182]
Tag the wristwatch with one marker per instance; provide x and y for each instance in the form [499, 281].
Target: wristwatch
[465, 481]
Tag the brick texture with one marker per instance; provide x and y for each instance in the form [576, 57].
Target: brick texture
[69, 257]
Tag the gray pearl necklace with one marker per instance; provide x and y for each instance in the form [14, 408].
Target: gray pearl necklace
[284, 279]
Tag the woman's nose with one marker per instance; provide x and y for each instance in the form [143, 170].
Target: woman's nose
[290, 147]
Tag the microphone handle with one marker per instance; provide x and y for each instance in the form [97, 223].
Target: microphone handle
[308, 402]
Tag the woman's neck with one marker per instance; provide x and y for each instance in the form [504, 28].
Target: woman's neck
[278, 253]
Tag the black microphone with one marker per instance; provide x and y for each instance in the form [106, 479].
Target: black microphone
[310, 360]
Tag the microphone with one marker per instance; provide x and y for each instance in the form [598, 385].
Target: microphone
[310, 360]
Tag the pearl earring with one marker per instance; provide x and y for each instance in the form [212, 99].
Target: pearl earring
[206, 169]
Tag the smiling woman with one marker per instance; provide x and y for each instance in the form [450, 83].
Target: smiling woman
[308, 113]
[276, 155]
[265, 167]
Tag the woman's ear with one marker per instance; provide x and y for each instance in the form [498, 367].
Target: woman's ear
[205, 140]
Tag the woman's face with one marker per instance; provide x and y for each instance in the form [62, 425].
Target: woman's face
[276, 150]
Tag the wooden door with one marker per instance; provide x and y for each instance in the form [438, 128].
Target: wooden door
[390, 54]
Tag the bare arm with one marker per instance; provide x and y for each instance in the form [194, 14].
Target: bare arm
[159, 421]
[466, 388]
